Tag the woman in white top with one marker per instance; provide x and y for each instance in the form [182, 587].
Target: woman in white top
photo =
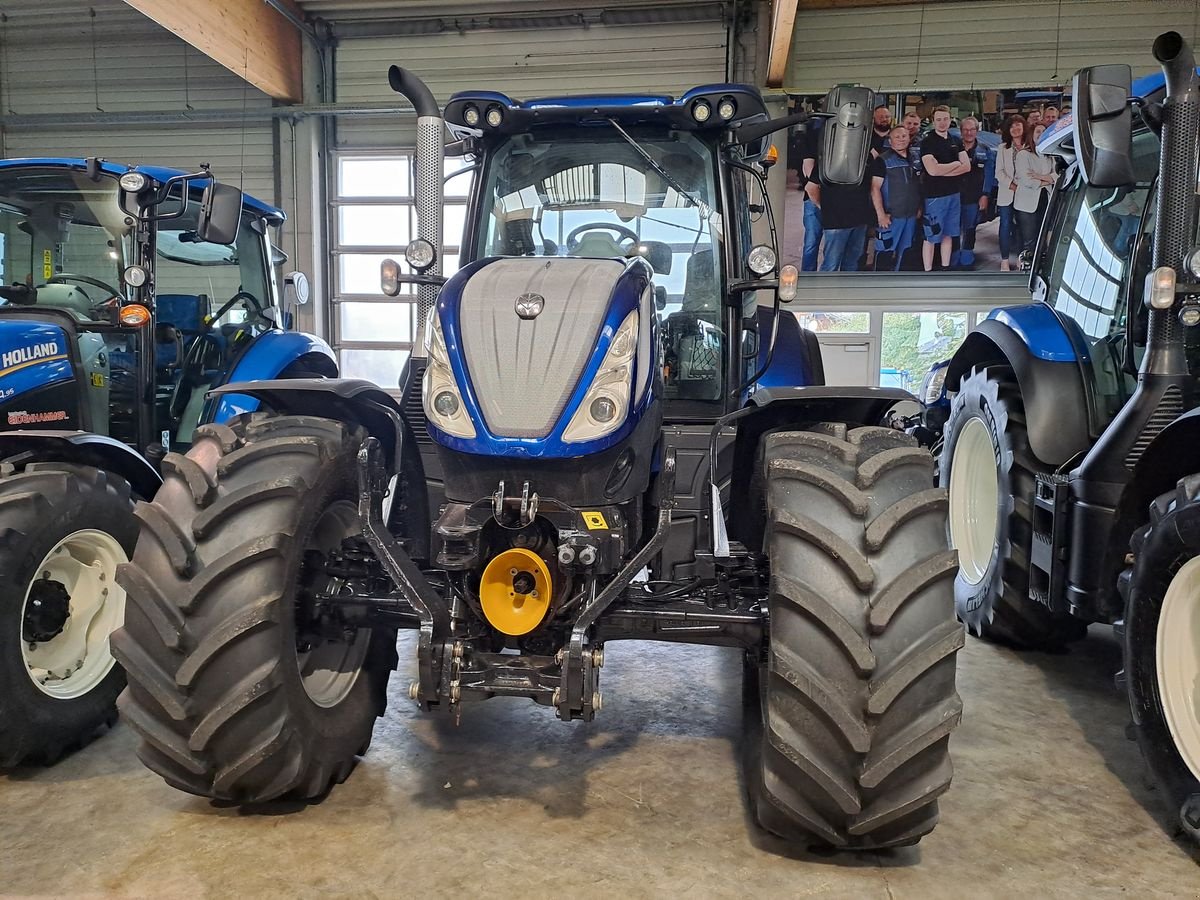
[1035, 175]
[1013, 134]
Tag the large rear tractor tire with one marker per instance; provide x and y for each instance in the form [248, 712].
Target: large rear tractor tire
[1162, 649]
[990, 472]
[237, 692]
[857, 695]
[64, 530]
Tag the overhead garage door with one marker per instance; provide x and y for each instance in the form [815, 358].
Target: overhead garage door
[92, 70]
[527, 62]
[981, 44]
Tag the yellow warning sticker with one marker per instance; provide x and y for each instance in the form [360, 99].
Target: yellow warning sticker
[97, 379]
[595, 521]
[47, 265]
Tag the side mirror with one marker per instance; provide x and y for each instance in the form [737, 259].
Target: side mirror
[657, 254]
[295, 288]
[846, 137]
[1103, 125]
[220, 213]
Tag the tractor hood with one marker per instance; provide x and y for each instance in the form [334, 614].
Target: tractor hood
[520, 348]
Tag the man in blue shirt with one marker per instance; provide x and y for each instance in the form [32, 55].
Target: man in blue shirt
[975, 188]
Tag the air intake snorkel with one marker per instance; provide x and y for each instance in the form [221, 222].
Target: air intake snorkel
[427, 173]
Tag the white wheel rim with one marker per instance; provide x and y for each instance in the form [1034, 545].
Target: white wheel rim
[974, 501]
[1178, 662]
[78, 658]
[330, 669]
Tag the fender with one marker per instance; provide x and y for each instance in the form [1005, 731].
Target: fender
[266, 358]
[771, 409]
[1035, 344]
[87, 449]
[356, 402]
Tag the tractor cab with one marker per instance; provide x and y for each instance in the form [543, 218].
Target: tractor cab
[108, 265]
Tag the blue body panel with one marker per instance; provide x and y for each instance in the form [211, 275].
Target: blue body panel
[626, 297]
[789, 366]
[158, 173]
[269, 355]
[32, 355]
[1039, 329]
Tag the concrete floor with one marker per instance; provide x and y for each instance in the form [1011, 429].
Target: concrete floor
[1048, 800]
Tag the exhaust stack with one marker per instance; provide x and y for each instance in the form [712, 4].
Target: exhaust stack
[1175, 221]
[428, 168]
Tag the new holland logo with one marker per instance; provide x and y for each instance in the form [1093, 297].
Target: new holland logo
[22, 355]
[530, 306]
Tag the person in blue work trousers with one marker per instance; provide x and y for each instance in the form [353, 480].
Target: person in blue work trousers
[944, 162]
[847, 210]
[975, 189]
[810, 143]
[901, 200]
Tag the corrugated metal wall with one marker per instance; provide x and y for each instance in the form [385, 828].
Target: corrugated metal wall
[57, 58]
[983, 44]
[524, 63]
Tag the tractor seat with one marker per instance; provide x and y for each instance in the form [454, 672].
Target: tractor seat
[597, 245]
[701, 292]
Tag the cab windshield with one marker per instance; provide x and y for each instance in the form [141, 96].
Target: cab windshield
[65, 239]
[557, 193]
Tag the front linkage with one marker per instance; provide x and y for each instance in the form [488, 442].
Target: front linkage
[379, 583]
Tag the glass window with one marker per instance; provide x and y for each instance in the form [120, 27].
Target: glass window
[65, 240]
[374, 176]
[375, 226]
[380, 366]
[836, 323]
[914, 341]
[374, 322]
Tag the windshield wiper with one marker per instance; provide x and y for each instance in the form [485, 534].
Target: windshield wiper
[706, 211]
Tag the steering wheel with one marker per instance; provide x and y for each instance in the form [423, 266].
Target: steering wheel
[63, 277]
[229, 304]
[620, 230]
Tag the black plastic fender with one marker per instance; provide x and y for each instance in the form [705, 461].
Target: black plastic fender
[358, 402]
[772, 409]
[84, 448]
[1055, 396]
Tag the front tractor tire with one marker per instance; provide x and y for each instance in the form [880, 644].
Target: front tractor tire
[235, 689]
[990, 472]
[64, 530]
[856, 695]
[1162, 649]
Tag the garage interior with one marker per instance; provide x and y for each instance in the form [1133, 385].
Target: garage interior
[289, 100]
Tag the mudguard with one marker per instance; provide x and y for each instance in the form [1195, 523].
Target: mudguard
[1034, 344]
[87, 449]
[797, 358]
[358, 402]
[269, 355]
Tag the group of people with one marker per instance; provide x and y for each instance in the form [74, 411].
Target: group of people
[941, 183]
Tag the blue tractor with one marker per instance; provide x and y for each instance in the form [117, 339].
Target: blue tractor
[582, 454]
[1074, 425]
[127, 294]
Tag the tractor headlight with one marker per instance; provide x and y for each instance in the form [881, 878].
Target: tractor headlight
[727, 108]
[935, 384]
[606, 403]
[701, 111]
[440, 394]
[1160, 288]
[495, 116]
[133, 182]
[471, 116]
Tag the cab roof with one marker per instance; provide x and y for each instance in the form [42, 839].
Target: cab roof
[158, 173]
[594, 109]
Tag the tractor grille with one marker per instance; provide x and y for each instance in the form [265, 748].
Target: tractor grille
[1170, 408]
[524, 370]
[412, 406]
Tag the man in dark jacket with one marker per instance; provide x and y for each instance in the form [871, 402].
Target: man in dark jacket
[901, 191]
[975, 188]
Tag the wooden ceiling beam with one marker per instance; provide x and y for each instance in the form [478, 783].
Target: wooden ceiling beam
[250, 38]
[783, 26]
[809, 5]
